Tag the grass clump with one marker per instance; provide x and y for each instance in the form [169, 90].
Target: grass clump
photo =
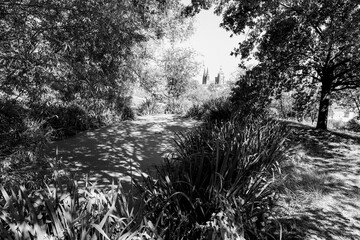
[353, 125]
[213, 110]
[66, 212]
[150, 107]
[22, 139]
[219, 183]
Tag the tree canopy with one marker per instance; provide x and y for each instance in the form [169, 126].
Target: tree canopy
[313, 43]
[74, 46]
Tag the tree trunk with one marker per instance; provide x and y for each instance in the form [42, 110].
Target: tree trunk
[324, 105]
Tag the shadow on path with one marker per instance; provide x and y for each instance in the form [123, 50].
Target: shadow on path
[334, 158]
[118, 152]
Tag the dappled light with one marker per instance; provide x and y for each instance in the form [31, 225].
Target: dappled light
[330, 162]
[109, 130]
[120, 152]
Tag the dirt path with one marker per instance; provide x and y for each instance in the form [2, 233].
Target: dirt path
[323, 195]
[120, 151]
[324, 199]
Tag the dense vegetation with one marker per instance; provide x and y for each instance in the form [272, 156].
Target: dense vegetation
[70, 66]
[73, 65]
[219, 183]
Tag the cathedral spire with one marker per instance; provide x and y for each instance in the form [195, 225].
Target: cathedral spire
[206, 77]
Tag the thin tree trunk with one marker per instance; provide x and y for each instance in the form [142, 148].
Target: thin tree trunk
[324, 105]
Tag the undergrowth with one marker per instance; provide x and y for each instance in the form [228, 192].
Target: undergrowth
[219, 184]
[66, 212]
[27, 127]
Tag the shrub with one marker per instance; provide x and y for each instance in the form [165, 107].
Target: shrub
[123, 108]
[252, 93]
[196, 112]
[11, 125]
[219, 182]
[179, 106]
[150, 107]
[212, 111]
[65, 118]
[69, 118]
[353, 125]
[218, 110]
[67, 213]
[22, 139]
[25, 163]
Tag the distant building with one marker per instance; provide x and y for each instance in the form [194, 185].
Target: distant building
[206, 76]
[219, 79]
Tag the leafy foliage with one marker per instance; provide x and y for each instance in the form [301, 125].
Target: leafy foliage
[149, 107]
[167, 75]
[21, 143]
[75, 47]
[66, 213]
[67, 66]
[251, 94]
[353, 125]
[164, 68]
[215, 110]
[219, 182]
[299, 43]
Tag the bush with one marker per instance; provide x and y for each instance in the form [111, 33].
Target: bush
[11, 125]
[67, 213]
[252, 93]
[218, 110]
[150, 107]
[65, 118]
[196, 112]
[123, 108]
[212, 111]
[79, 115]
[218, 184]
[179, 106]
[22, 139]
[353, 125]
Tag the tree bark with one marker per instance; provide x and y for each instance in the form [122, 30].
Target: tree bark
[324, 105]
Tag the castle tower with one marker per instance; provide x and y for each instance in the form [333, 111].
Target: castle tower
[219, 79]
[206, 76]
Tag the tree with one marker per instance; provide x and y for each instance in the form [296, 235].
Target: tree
[76, 46]
[180, 67]
[251, 93]
[165, 67]
[300, 41]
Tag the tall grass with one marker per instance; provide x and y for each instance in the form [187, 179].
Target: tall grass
[219, 183]
[22, 139]
[150, 107]
[214, 110]
[66, 213]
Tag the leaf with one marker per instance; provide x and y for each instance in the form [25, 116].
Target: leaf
[99, 229]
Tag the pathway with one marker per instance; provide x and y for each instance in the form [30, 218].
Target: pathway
[120, 151]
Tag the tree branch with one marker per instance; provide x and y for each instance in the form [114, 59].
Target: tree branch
[346, 87]
[341, 74]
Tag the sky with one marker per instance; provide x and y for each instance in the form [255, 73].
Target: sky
[213, 44]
